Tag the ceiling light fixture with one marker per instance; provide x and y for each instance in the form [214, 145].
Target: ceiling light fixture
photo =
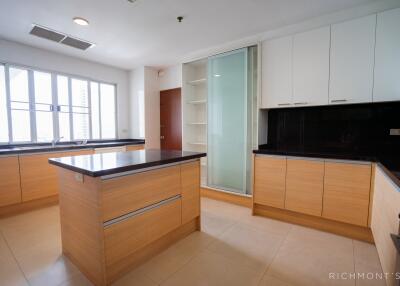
[81, 21]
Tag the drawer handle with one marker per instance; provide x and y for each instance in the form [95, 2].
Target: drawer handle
[141, 211]
[338, 100]
[283, 104]
[300, 103]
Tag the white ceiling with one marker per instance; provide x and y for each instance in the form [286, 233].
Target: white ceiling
[147, 33]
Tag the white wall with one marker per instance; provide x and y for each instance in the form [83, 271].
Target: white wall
[152, 108]
[136, 103]
[11, 52]
[170, 77]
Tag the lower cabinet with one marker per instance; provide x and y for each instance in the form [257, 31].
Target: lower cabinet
[304, 186]
[270, 181]
[134, 147]
[190, 182]
[346, 192]
[38, 177]
[10, 191]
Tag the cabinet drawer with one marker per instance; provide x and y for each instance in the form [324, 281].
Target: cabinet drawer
[124, 238]
[134, 147]
[269, 181]
[129, 193]
[190, 178]
[304, 186]
[38, 177]
[10, 191]
[346, 192]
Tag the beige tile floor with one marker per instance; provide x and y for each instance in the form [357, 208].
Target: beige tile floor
[234, 248]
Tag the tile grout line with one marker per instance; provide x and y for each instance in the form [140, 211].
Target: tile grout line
[273, 258]
[15, 259]
[354, 261]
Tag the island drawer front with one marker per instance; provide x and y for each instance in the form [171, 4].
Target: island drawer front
[124, 238]
[126, 194]
[190, 176]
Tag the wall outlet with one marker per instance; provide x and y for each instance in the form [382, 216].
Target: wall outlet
[395, 132]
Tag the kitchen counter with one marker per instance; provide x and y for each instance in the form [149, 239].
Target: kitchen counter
[119, 209]
[111, 163]
[16, 149]
[392, 171]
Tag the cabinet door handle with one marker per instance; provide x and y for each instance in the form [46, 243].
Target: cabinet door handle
[283, 104]
[298, 103]
[338, 100]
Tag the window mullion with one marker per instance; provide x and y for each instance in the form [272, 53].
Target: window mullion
[54, 93]
[8, 102]
[100, 127]
[90, 109]
[71, 125]
[32, 106]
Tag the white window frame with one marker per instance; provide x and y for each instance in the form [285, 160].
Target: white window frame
[54, 106]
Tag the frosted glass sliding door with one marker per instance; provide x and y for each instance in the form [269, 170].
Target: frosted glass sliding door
[227, 121]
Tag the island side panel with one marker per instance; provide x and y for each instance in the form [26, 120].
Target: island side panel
[190, 181]
[81, 223]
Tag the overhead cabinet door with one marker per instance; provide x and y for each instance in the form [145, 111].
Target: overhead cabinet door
[352, 61]
[311, 67]
[387, 57]
[277, 88]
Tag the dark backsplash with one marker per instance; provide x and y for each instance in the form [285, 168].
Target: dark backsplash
[343, 129]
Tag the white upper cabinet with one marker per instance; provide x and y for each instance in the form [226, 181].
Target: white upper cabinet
[311, 67]
[387, 57]
[277, 73]
[352, 61]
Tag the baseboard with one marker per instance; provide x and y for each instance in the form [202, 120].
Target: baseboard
[232, 198]
[15, 209]
[344, 229]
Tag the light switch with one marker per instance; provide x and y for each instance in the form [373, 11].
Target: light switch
[79, 177]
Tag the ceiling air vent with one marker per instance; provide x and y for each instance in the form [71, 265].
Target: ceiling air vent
[59, 37]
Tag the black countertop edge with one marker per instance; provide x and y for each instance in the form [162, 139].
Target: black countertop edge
[127, 168]
[65, 146]
[390, 173]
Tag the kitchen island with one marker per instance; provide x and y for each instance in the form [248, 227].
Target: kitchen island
[119, 209]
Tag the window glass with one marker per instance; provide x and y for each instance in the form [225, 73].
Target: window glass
[43, 102]
[107, 105]
[64, 128]
[94, 100]
[80, 109]
[3, 107]
[19, 92]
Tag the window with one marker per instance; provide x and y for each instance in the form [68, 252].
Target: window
[37, 106]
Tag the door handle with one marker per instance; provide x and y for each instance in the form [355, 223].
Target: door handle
[162, 137]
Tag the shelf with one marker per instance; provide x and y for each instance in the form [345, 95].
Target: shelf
[203, 101]
[197, 143]
[197, 123]
[197, 81]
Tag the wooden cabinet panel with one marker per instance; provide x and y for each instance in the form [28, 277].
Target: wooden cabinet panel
[134, 147]
[352, 61]
[10, 191]
[277, 73]
[38, 177]
[387, 57]
[190, 179]
[269, 181]
[346, 192]
[129, 193]
[311, 67]
[124, 238]
[304, 186]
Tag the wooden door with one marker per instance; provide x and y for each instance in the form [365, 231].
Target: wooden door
[171, 119]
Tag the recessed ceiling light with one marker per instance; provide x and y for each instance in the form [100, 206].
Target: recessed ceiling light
[81, 21]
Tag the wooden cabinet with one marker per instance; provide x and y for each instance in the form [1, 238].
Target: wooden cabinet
[125, 194]
[277, 73]
[10, 191]
[311, 67]
[269, 181]
[346, 192]
[352, 61]
[38, 177]
[387, 57]
[190, 182]
[304, 186]
[134, 147]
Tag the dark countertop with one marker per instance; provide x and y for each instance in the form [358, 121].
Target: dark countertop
[65, 146]
[386, 166]
[111, 163]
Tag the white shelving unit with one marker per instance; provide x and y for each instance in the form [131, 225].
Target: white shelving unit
[194, 110]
